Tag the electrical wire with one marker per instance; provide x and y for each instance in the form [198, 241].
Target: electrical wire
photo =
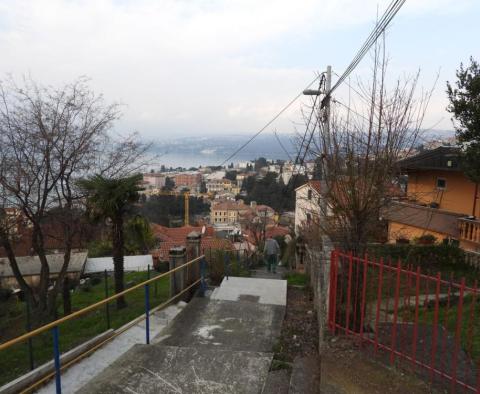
[281, 145]
[269, 122]
[380, 27]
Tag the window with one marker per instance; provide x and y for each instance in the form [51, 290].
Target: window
[309, 194]
[441, 183]
[309, 218]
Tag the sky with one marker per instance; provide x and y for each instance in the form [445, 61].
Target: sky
[219, 67]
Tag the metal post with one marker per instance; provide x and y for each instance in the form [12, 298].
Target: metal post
[29, 328]
[107, 308]
[226, 260]
[56, 355]
[203, 285]
[147, 314]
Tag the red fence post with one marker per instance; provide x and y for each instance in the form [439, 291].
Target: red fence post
[435, 325]
[364, 294]
[395, 313]
[379, 301]
[458, 333]
[349, 289]
[471, 318]
[333, 289]
[415, 324]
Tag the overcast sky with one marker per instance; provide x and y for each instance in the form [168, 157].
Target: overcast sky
[187, 67]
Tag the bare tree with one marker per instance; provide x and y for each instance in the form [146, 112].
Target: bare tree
[49, 139]
[359, 151]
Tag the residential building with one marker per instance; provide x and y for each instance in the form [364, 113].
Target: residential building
[440, 201]
[218, 185]
[227, 212]
[154, 180]
[307, 204]
[189, 179]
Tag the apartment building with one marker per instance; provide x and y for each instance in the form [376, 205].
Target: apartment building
[440, 201]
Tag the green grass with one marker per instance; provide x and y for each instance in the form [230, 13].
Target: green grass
[470, 329]
[296, 279]
[15, 360]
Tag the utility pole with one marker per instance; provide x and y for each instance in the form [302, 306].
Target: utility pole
[324, 106]
[328, 87]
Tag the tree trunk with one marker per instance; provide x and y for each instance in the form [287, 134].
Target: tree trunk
[117, 243]
[38, 247]
[27, 290]
[67, 303]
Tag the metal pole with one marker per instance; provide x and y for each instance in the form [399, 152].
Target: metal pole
[203, 285]
[147, 314]
[56, 354]
[29, 328]
[107, 308]
[328, 87]
[147, 308]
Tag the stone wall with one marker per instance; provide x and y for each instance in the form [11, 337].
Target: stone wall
[317, 267]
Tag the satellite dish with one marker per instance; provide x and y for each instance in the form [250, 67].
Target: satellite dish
[203, 230]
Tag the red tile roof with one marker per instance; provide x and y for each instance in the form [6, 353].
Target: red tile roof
[207, 243]
[178, 234]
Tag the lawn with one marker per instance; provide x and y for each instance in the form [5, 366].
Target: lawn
[447, 317]
[15, 360]
[296, 279]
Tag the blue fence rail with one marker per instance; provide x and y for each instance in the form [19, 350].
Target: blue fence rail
[54, 326]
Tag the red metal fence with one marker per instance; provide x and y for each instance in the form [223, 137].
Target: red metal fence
[429, 323]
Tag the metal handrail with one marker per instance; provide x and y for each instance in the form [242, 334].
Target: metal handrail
[89, 308]
[99, 345]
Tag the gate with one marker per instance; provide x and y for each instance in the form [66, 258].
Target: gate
[427, 322]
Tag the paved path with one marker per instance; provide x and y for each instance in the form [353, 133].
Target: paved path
[262, 272]
[221, 344]
[88, 368]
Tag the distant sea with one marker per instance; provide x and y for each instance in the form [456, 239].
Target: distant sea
[197, 151]
[213, 151]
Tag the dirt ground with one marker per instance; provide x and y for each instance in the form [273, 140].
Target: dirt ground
[344, 367]
[347, 369]
[299, 335]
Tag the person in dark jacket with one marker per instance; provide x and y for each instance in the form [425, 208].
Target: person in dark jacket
[272, 250]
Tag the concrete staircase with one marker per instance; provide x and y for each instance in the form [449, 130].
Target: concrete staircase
[218, 345]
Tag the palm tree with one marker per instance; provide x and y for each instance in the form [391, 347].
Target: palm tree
[109, 199]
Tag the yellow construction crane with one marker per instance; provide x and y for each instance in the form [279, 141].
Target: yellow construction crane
[186, 196]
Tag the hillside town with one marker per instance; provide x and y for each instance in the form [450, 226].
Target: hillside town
[346, 259]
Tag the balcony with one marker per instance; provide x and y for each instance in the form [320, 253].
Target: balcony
[469, 230]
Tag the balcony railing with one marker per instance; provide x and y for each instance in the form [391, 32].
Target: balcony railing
[469, 230]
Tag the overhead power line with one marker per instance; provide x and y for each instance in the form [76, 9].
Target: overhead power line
[269, 122]
[380, 27]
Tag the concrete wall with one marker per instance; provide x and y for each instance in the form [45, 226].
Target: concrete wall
[317, 267]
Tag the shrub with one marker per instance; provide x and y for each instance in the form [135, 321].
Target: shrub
[427, 239]
[5, 294]
[216, 267]
[436, 257]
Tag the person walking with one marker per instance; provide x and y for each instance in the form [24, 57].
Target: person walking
[272, 250]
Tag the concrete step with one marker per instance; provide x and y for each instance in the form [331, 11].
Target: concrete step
[305, 378]
[234, 325]
[149, 369]
[277, 382]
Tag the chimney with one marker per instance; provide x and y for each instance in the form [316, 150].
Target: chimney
[253, 204]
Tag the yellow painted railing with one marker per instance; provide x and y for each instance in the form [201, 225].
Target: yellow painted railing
[54, 324]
